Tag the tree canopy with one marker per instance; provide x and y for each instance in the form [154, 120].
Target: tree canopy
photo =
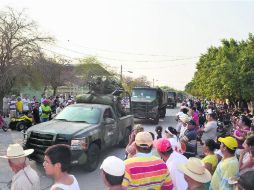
[225, 72]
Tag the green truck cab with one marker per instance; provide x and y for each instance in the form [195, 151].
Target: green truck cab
[149, 103]
[172, 100]
[87, 127]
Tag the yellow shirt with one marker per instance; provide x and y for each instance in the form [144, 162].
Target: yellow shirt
[211, 159]
[19, 106]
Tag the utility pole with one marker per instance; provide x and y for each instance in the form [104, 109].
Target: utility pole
[121, 74]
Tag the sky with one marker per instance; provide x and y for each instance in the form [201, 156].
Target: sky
[161, 39]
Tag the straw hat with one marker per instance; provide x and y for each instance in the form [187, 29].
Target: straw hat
[16, 151]
[184, 118]
[144, 139]
[195, 169]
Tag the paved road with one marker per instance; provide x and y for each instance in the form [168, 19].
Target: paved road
[86, 180]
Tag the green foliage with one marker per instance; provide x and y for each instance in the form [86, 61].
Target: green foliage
[90, 67]
[225, 72]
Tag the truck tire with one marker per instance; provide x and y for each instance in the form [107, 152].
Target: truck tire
[93, 157]
[156, 119]
[124, 142]
[163, 112]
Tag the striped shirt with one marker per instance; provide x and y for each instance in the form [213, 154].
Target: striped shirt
[144, 172]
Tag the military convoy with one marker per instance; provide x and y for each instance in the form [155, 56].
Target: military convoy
[149, 103]
[93, 124]
[172, 100]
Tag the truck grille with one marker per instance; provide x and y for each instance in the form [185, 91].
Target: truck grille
[40, 142]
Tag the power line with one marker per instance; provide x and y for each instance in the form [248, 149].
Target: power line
[124, 60]
[122, 52]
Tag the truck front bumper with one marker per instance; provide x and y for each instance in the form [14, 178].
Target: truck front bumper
[79, 157]
[144, 115]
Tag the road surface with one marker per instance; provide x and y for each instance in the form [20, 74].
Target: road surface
[86, 180]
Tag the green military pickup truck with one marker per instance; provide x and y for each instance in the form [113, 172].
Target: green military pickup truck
[87, 128]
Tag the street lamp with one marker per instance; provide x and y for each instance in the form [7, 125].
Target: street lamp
[154, 81]
[121, 73]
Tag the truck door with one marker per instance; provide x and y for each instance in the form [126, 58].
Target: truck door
[110, 128]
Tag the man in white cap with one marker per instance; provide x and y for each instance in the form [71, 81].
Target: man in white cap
[195, 174]
[25, 177]
[113, 170]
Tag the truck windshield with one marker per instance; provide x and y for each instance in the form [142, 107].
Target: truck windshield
[89, 115]
[171, 94]
[147, 94]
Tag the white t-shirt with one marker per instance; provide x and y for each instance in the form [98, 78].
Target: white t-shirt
[174, 143]
[210, 131]
[182, 131]
[26, 103]
[73, 186]
[177, 177]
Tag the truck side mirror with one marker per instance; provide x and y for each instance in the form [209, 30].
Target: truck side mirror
[109, 121]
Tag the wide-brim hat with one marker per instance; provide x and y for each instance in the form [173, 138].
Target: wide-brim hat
[16, 151]
[195, 169]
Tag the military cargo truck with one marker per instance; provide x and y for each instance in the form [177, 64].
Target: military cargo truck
[149, 103]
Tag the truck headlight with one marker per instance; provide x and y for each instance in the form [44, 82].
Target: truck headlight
[25, 136]
[79, 144]
[154, 109]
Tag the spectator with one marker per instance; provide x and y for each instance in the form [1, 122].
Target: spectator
[26, 105]
[131, 147]
[243, 127]
[210, 160]
[36, 114]
[19, 106]
[228, 166]
[113, 170]
[25, 177]
[189, 139]
[171, 135]
[195, 174]
[59, 108]
[12, 107]
[45, 111]
[210, 129]
[145, 171]
[194, 114]
[184, 118]
[244, 181]
[158, 131]
[172, 159]
[5, 106]
[57, 162]
[33, 102]
[43, 98]
[245, 160]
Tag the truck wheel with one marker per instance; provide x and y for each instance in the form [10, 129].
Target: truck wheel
[156, 120]
[163, 112]
[123, 143]
[93, 156]
[20, 126]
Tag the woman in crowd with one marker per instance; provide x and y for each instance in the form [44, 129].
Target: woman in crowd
[241, 129]
[245, 159]
[171, 135]
[210, 160]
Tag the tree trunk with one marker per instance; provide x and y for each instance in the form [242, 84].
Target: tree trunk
[44, 90]
[54, 91]
[1, 100]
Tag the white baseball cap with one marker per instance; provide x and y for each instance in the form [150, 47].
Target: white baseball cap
[113, 166]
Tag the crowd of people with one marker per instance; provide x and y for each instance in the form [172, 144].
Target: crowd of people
[41, 110]
[165, 160]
